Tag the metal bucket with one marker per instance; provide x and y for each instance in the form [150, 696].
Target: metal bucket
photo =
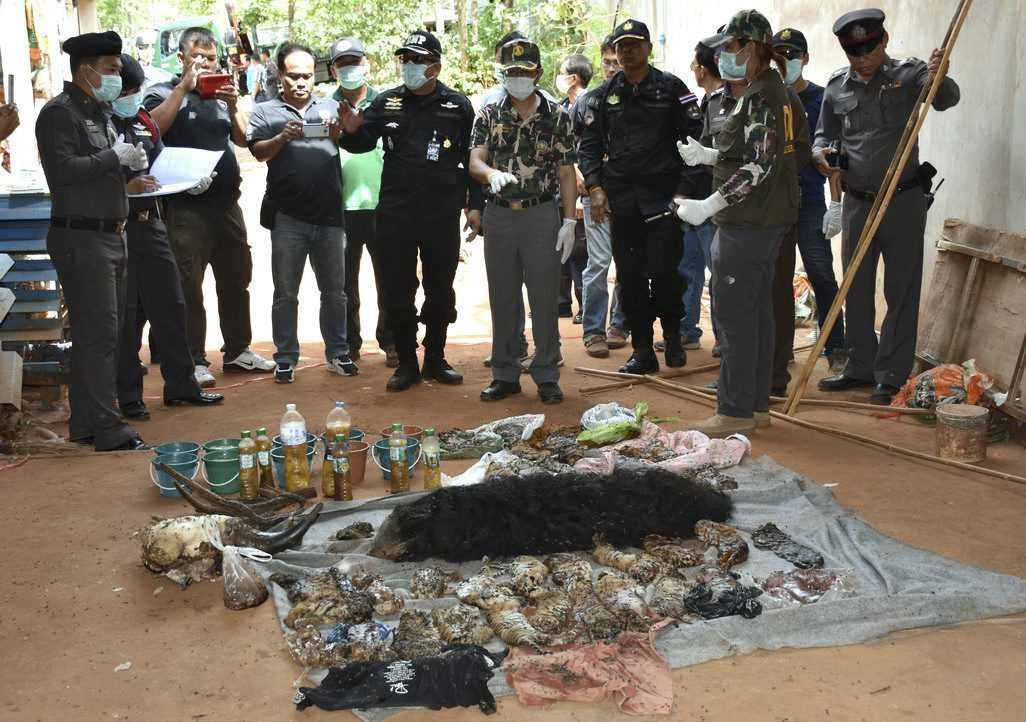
[962, 432]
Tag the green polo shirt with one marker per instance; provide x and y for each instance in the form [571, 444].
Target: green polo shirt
[361, 172]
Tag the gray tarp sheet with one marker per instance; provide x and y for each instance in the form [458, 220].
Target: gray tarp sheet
[898, 586]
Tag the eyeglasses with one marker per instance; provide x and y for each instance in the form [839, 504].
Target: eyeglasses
[418, 59]
[607, 63]
[790, 53]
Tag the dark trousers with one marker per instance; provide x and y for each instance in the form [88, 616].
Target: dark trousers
[818, 260]
[783, 311]
[571, 283]
[899, 241]
[647, 256]
[399, 239]
[91, 268]
[360, 233]
[214, 237]
[154, 287]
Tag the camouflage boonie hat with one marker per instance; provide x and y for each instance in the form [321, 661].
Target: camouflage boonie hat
[520, 53]
[746, 24]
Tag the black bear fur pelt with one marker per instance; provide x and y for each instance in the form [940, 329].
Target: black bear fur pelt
[542, 513]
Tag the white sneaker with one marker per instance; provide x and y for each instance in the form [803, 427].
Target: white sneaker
[204, 377]
[343, 366]
[248, 362]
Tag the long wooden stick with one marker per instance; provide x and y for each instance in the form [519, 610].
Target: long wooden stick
[699, 396]
[633, 380]
[880, 204]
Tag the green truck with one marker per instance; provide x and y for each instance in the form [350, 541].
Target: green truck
[165, 47]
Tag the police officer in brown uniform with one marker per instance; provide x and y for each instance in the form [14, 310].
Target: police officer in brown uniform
[82, 159]
[866, 107]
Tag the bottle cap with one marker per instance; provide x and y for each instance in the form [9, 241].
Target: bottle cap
[245, 434]
[262, 431]
[290, 407]
[397, 427]
[429, 432]
[340, 437]
[339, 404]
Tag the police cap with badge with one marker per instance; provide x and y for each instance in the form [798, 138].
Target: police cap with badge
[791, 38]
[421, 42]
[520, 53]
[93, 45]
[860, 31]
[630, 29]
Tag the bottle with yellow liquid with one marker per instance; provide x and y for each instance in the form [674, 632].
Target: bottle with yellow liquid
[293, 446]
[338, 422]
[397, 468]
[432, 460]
[263, 443]
[341, 471]
[249, 472]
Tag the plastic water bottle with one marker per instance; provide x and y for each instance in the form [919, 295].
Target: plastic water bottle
[341, 470]
[432, 460]
[293, 446]
[263, 443]
[397, 467]
[338, 423]
[249, 472]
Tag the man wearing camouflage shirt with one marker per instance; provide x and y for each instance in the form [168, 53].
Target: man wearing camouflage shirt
[523, 149]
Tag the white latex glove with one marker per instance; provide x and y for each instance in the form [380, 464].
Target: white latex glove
[203, 185]
[694, 153]
[497, 180]
[698, 212]
[832, 220]
[565, 239]
[127, 153]
[141, 161]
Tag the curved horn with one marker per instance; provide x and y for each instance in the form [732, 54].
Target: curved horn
[244, 535]
[211, 503]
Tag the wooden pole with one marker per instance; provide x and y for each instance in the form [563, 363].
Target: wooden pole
[633, 379]
[880, 204]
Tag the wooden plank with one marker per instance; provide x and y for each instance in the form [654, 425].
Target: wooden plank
[6, 301]
[10, 378]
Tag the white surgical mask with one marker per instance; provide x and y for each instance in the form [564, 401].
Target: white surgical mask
[794, 70]
[519, 88]
[414, 75]
[562, 83]
[352, 77]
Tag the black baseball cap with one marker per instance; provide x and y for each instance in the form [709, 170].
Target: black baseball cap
[520, 54]
[92, 45]
[630, 28]
[791, 38]
[860, 31]
[347, 47]
[421, 42]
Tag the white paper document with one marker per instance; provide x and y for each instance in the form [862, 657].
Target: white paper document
[179, 169]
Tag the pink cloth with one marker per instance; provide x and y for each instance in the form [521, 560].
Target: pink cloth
[628, 668]
[695, 450]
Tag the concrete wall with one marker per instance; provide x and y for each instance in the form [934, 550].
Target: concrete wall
[979, 146]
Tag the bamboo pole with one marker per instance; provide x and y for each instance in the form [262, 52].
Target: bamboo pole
[697, 395]
[634, 379]
[880, 203]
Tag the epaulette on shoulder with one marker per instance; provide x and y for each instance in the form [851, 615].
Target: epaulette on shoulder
[718, 91]
[909, 61]
[837, 73]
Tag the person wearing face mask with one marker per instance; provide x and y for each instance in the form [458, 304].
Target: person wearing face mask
[361, 185]
[630, 170]
[754, 205]
[817, 257]
[83, 159]
[152, 272]
[426, 130]
[866, 106]
[523, 149]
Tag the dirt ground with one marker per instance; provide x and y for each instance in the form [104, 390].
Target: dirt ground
[78, 603]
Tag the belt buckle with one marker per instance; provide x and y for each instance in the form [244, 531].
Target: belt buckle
[121, 226]
[516, 205]
[142, 216]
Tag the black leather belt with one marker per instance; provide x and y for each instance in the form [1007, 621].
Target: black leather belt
[864, 196]
[522, 203]
[89, 224]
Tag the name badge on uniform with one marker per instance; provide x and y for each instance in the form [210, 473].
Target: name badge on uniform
[433, 147]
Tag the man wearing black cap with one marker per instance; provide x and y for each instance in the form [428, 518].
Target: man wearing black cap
[82, 158]
[426, 128]
[361, 186]
[153, 283]
[866, 107]
[642, 113]
[817, 256]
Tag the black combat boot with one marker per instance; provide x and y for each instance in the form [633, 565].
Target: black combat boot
[438, 369]
[675, 355]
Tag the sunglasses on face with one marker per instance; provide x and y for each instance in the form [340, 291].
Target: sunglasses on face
[790, 53]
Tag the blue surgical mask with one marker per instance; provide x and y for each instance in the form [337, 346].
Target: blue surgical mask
[352, 77]
[110, 86]
[794, 70]
[730, 69]
[128, 106]
[414, 75]
[497, 72]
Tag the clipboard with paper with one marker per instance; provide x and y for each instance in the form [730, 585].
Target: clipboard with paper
[179, 169]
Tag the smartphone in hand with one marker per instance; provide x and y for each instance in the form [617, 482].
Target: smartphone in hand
[315, 130]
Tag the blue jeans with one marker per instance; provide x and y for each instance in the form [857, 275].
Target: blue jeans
[595, 278]
[292, 241]
[696, 258]
[818, 260]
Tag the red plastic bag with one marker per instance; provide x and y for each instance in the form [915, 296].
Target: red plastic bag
[947, 384]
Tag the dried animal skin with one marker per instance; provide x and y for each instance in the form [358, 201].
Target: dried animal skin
[364, 579]
[343, 609]
[718, 580]
[366, 645]
[733, 549]
[359, 530]
[671, 550]
[642, 567]
[573, 575]
[621, 595]
[528, 574]
[668, 597]
[512, 627]
[564, 566]
[805, 586]
[461, 624]
[430, 583]
[482, 591]
[309, 649]
[303, 588]
[553, 611]
[769, 536]
[416, 637]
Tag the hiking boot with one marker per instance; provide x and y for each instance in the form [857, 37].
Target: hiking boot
[595, 345]
[404, 377]
[437, 368]
[720, 427]
[616, 337]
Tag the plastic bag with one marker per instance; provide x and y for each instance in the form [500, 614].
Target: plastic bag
[461, 444]
[618, 431]
[243, 587]
[947, 384]
[603, 414]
